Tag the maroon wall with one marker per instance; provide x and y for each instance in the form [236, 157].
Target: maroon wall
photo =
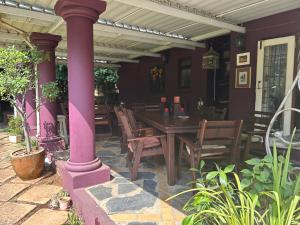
[134, 78]
[242, 101]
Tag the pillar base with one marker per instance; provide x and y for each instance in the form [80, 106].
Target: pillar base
[83, 167]
[52, 144]
[74, 180]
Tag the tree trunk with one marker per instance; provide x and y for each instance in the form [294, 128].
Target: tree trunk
[26, 136]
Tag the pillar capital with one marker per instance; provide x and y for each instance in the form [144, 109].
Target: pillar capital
[90, 9]
[45, 40]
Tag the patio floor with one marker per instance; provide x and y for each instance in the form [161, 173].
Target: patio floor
[141, 202]
[25, 202]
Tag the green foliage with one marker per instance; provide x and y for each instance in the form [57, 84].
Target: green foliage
[15, 126]
[62, 194]
[267, 195]
[106, 77]
[62, 81]
[50, 91]
[73, 219]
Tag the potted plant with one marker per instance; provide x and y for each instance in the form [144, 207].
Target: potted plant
[64, 200]
[17, 76]
[15, 129]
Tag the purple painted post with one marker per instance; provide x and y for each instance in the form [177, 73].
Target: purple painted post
[30, 111]
[80, 17]
[48, 122]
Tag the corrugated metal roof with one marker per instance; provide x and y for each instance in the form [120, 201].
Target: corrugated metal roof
[148, 22]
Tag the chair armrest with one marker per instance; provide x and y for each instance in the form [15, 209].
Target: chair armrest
[188, 141]
[143, 129]
[142, 138]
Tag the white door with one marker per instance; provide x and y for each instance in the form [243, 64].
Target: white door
[275, 73]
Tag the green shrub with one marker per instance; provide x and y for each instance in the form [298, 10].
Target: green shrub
[73, 219]
[15, 126]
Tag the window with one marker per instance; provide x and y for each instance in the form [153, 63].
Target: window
[185, 72]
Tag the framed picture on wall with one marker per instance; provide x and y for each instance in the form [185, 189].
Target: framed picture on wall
[243, 77]
[157, 79]
[243, 59]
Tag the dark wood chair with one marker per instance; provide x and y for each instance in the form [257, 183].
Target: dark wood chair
[138, 126]
[254, 133]
[102, 117]
[123, 138]
[152, 108]
[140, 147]
[138, 106]
[214, 140]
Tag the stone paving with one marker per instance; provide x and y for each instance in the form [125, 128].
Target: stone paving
[25, 202]
[141, 202]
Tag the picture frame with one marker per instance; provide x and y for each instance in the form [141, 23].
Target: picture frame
[243, 59]
[243, 77]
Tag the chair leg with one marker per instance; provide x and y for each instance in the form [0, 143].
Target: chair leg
[247, 148]
[136, 161]
[181, 146]
[193, 164]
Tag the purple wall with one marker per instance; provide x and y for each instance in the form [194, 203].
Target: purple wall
[134, 78]
[242, 101]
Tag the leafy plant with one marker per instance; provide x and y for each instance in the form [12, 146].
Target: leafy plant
[50, 90]
[106, 77]
[15, 126]
[17, 76]
[73, 219]
[62, 81]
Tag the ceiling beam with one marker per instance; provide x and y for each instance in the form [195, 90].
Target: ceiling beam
[210, 35]
[139, 34]
[15, 11]
[96, 64]
[56, 25]
[102, 58]
[111, 49]
[176, 12]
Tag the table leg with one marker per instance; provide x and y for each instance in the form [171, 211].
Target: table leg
[171, 169]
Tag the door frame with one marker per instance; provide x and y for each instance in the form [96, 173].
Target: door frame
[291, 41]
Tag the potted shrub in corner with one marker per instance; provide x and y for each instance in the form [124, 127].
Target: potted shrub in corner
[15, 129]
[64, 200]
[17, 76]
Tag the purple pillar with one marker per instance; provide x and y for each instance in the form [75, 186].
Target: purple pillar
[83, 165]
[48, 122]
[30, 111]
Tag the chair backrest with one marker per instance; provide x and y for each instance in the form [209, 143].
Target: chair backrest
[131, 118]
[224, 133]
[101, 109]
[138, 106]
[259, 121]
[117, 110]
[152, 108]
[126, 125]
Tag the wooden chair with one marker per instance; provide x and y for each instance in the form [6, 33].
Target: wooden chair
[138, 106]
[140, 147]
[123, 138]
[137, 127]
[152, 108]
[102, 117]
[215, 140]
[254, 133]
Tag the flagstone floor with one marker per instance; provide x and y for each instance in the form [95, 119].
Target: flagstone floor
[141, 202]
[25, 202]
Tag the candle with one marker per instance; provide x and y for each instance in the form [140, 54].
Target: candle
[181, 109]
[176, 99]
[163, 99]
[166, 109]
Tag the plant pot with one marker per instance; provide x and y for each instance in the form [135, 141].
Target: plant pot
[64, 203]
[15, 138]
[28, 166]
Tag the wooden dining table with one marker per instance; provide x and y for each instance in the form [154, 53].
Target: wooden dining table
[171, 126]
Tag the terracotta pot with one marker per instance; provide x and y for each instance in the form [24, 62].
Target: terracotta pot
[28, 167]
